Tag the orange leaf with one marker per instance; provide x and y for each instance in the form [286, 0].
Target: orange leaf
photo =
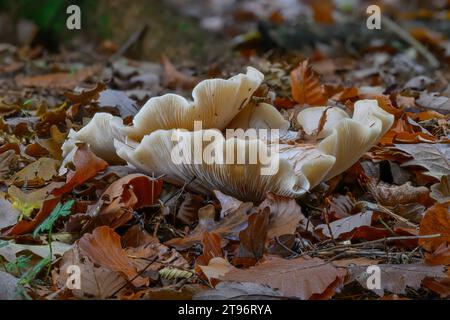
[306, 86]
[435, 221]
[212, 248]
[23, 226]
[87, 165]
[103, 248]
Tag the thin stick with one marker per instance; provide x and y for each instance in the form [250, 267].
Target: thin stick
[405, 36]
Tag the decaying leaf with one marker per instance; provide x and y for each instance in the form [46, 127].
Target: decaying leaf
[229, 290]
[228, 227]
[306, 86]
[433, 157]
[8, 215]
[441, 191]
[8, 285]
[395, 278]
[304, 277]
[392, 195]
[87, 165]
[435, 221]
[98, 282]
[344, 226]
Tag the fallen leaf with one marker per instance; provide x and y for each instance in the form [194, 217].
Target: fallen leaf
[36, 173]
[98, 282]
[395, 278]
[87, 95]
[306, 86]
[229, 290]
[253, 238]
[441, 191]
[344, 226]
[10, 250]
[59, 80]
[212, 248]
[435, 221]
[8, 215]
[216, 268]
[228, 204]
[285, 215]
[392, 195]
[432, 157]
[174, 78]
[87, 165]
[434, 101]
[228, 227]
[118, 100]
[103, 248]
[121, 198]
[188, 211]
[8, 285]
[302, 277]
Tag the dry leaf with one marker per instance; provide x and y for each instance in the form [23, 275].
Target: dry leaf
[36, 173]
[441, 191]
[216, 268]
[60, 80]
[396, 277]
[103, 248]
[228, 227]
[188, 211]
[285, 215]
[253, 238]
[392, 195]
[87, 165]
[8, 285]
[8, 215]
[174, 78]
[212, 248]
[98, 282]
[434, 157]
[435, 221]
[303, 277]
[342, 227]
[306, 86]
[229, 290]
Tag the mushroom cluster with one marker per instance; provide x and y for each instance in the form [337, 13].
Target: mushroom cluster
[283, 165]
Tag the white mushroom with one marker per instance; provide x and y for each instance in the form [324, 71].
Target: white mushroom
[216, 102]
[310, 119]
[99, 134]
[245, 169]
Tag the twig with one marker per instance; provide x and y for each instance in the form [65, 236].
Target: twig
[405, 36]
[137, 275]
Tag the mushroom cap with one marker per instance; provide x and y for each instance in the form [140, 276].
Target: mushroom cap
[243, 177]
[216, 102]
[261, 116]
[310, 119]
[99, 134]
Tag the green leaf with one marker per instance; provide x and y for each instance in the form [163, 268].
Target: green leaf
[59, 211]
[34, 271]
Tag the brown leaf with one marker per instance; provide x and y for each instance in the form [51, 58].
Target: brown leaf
[392, 195]
[228, 227]
[229, 204]
[137, 236]
[306, 86]
[212, 248]
[8, 215]
[36, 173]
[302, 277]
[253, 238]
[174, 78]
[98, 282]
[87, 165]
[396, 277]
[435, 221]
[87, 95]
[433, 157]
[59, 80]
[441, 191]
[188, 211]
[285, 215]
[343, 227]
[118, 201]
[25, 226]
[216, 269]
[239, 290]
[103, 248]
